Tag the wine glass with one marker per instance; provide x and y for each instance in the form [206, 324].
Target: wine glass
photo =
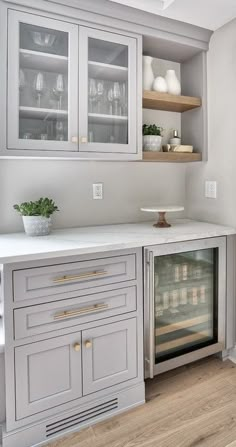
[100, 93]
[59, 89]
[21, 80]
[92, 93]
[60, 130]
[110, 98]
[39, 86]
[117, 95]
[124, 99]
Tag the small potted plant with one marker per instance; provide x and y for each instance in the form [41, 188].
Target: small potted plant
[152, 137]
[37, 216]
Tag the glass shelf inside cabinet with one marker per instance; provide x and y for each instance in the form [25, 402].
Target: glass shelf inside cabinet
[185, 302]
[43, 83]
[107, 92]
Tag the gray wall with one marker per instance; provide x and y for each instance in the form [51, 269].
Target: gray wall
[127, 186]
[221, 165]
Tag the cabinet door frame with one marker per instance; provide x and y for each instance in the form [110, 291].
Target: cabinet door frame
[25, 407]
[89, 149]
[90, 383]
[13, 141]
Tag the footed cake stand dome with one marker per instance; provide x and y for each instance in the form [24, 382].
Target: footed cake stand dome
[162, 210]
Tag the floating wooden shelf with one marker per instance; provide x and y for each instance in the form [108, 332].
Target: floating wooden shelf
[172, 157]
[169, 103]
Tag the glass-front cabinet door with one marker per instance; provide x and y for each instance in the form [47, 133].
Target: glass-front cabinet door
[42, 83]
[186, 310]
[108, 92]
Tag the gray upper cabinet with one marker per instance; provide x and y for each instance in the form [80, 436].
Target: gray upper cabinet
[72, 90]
[48, 373]
[109, 355]
[109, 101]
[42, 83]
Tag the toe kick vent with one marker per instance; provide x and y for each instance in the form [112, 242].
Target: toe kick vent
[81, 417]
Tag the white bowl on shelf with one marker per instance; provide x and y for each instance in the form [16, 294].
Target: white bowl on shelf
[42, 39]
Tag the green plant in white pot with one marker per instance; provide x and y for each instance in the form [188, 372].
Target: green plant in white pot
[37, 216]
[152, 137]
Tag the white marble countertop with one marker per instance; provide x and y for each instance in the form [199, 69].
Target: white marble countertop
[77, 241]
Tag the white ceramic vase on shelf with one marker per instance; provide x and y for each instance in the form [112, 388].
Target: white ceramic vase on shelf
[173, 84]
[160, 85]
[148, 76]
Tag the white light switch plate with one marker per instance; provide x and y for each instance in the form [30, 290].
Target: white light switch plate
[97, 191]
[211, 189]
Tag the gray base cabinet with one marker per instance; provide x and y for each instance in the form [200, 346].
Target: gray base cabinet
[48, 373]
[109, 355]
[74, 343]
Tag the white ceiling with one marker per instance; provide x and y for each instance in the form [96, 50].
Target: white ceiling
[210, 14]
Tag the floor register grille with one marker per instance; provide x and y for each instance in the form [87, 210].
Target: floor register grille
[81, 417]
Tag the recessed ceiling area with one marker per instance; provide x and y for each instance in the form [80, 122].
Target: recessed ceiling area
[210, 14]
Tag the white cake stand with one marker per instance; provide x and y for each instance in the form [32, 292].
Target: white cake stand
[162, 210]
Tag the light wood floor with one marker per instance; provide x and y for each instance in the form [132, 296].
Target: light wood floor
[194, 406]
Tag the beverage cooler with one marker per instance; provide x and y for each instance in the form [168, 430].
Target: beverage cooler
[184, 302]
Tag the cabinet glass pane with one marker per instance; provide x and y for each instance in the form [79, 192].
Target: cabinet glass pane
[185, 302]
[107, 92]
[43, 84]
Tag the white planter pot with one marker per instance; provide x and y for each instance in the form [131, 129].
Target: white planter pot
[152, 143]
[173, 84]
[148, 76]
[37, 225]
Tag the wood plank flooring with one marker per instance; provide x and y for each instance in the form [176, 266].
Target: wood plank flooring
[193, 406]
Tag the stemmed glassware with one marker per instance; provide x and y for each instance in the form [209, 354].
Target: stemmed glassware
[100, 95]
[92, 93]
[117, 96]
[39, 85]
[60, 130]
[110, 98]
[124, 99]
[59, 89]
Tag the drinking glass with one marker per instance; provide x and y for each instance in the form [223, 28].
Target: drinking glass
[59, 89]
[100, 95]
[21, 80]
[124, 99]
[60, 130]
[39, 86]
[110, 99]
[92, 93]
[117, 95]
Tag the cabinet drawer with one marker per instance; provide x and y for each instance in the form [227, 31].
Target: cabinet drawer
[45, 281]
[43, 318]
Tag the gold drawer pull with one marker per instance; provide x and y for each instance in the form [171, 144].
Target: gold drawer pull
[77, 347]
[88, 344]
[82, 311]
[68, 278]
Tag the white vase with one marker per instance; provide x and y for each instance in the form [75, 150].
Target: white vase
[173, 84]
[148, 76]
[37, 225]
[152, 143]
[160, 85]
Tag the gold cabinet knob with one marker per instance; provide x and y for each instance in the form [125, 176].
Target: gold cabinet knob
[88, 344]
[77, 347]
[74, 140]
[83, 140]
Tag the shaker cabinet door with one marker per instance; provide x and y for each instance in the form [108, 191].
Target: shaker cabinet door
[109, 355]
[108, 86]
[48, 373]
[42, 83]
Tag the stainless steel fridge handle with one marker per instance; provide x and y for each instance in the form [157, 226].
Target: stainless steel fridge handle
[151, 316]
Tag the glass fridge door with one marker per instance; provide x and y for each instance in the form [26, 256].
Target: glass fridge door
[185, 302]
